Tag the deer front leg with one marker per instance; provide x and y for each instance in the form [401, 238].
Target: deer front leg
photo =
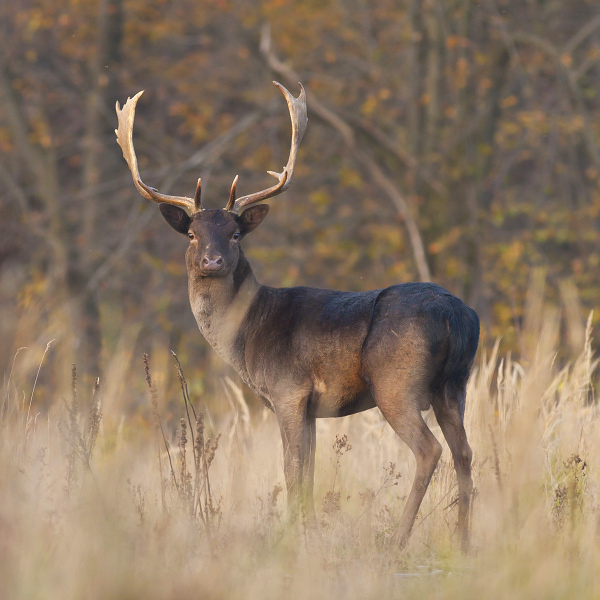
[298, 437]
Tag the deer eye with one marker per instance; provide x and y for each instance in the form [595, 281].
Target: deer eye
[236, 236]
[190, 235]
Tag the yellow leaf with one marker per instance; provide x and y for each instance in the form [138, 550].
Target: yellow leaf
[369, 105]
[509, 101]
[566, 60]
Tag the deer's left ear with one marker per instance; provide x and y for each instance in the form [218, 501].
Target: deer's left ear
[176, 217]
[252, 217]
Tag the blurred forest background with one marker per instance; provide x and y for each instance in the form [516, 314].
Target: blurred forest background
[449, 140]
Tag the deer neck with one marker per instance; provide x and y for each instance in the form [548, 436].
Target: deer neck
[220, 304]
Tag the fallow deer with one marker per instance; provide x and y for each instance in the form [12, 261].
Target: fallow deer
[311, 353]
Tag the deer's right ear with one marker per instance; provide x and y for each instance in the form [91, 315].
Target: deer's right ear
[176, 217]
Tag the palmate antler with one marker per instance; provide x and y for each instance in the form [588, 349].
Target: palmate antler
[297, 108]
[124, 133]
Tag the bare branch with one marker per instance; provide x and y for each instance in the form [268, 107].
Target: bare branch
[347, 133]
[588, 29]
[37, 160]
[392, 146]
[573, 88]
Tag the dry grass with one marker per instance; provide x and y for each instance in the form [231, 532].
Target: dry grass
[94, 507]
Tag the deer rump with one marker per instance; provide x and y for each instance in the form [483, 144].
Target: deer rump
[331, 347]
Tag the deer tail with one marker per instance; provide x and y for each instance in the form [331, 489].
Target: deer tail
[463, 328]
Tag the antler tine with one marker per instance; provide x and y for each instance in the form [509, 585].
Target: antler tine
[297, 108]
[197, 196]
[124, 133]
[232, 194]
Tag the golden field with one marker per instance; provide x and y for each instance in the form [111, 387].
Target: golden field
[98, 504]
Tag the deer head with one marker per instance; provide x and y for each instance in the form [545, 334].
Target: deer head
[214, 234]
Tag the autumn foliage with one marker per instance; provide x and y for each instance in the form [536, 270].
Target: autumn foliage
[474, 123]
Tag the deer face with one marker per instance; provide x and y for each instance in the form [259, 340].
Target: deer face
[214, 236]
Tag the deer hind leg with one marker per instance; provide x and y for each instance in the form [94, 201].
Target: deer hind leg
[402, 412]
[447, 413]
[308, 470]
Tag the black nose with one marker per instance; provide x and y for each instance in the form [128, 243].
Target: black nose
[212, 263]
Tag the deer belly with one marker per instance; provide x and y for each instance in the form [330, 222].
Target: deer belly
[338, 399]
